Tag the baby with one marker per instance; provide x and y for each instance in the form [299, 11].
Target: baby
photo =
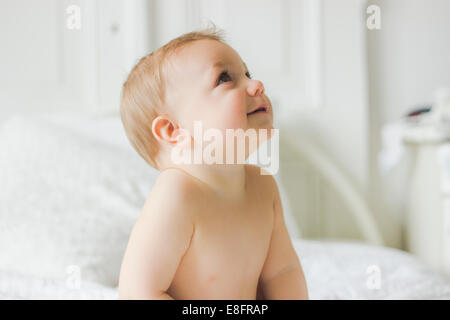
[207, 230]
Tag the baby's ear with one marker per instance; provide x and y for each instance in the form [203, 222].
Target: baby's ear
[165, 129]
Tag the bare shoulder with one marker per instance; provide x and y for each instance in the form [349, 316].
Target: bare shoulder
[177, 182]
[174, 192]
[166, 224]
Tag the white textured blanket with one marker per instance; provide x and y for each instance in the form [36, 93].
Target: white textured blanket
[333, 270]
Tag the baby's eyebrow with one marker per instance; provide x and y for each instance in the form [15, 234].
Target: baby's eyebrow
[220, 64]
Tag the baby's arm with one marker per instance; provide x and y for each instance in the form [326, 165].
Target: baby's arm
[282, 275]
[157, 244]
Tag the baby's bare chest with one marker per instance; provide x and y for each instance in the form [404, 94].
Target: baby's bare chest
[227, 250]
[233, 240]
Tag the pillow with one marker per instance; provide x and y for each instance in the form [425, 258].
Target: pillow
[66, 200]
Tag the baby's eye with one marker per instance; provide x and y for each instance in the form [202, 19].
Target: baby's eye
[224, 77]
[248, 75]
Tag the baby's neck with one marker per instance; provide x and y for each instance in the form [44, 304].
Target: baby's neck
[226, 180]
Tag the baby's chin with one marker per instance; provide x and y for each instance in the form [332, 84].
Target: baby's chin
[263, 121]
[262, 127]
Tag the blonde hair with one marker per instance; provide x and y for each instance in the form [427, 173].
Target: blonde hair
[143, 93]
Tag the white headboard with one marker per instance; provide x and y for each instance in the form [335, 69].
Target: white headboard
[322, 199]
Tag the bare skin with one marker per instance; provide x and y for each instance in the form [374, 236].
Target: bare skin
[211, 231]
[211, 247]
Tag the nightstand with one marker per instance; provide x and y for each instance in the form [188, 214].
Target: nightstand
[427, 220]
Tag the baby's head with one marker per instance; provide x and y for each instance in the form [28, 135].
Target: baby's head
[196, 76]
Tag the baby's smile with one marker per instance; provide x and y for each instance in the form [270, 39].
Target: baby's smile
[262, 109]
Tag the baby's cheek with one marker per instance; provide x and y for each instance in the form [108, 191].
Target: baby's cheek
[235, 115]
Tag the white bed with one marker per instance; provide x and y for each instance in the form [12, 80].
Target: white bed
[333, 270]
[71, 188]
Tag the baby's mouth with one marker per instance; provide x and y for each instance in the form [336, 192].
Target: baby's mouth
[261, 109]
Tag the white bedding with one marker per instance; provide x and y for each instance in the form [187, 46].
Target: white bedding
[69, 197]
[333, 270]
[344, 270]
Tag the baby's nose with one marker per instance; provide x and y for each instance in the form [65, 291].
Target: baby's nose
[255, 88]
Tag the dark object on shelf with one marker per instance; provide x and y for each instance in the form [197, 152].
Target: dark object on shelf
[419, 111]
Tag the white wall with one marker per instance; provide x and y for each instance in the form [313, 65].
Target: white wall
[408, 59]
[410, 55]
[48, 67]
[340, 127]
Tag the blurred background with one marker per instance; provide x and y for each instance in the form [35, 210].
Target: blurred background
[342, 75]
